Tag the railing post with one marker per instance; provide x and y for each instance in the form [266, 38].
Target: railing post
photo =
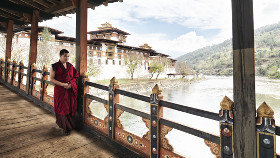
[113, 99]
[85, 91]
[43, 84]
[226, 128]
[1, 68]
[156, 114]
[20, 76]
[266, 145]
[7, 71]
[33, 81]
[13, 78]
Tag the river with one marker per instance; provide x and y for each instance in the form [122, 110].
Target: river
[205, 94]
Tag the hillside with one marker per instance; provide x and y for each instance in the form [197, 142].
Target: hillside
[217, 59]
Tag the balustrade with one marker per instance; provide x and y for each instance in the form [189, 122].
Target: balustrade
[154, 143]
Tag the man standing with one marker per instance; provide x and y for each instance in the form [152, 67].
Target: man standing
[65, 78]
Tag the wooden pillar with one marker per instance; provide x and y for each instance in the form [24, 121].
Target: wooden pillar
[81, 37]
[33, 46]
[156, 113]
[9, 39]
[244, 79]
[113, 100]
[81, 50]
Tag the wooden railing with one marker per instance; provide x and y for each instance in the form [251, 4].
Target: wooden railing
[153, 143]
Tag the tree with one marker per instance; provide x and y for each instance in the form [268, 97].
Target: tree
[93, 69]
[132, 61]
[182, 68]
[160, 69]
[46, 49]
[2, 45]
[153, 69]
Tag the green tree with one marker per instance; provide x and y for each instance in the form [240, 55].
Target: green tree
[132, 61]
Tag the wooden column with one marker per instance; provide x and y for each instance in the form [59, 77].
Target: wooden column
[81, 50]
[81, 37]
[9, 39]
[33, 45]
[244, 79]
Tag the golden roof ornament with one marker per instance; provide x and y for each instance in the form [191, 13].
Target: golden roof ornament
[265, 110]
[105, 26]
[21, 62]
[226, 104]
[14, 61]
[9, 61]
[113, 81]
[1, 59]
[156, 90]
[145, 46]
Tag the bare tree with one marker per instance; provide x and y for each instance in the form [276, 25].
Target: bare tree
[182, 68]
[46, 49]
[132, 61]
[2, 45]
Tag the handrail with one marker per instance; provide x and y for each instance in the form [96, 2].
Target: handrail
[190, 110]
[97, 85]
[133, 111]
[133, 95]
[97, 99]
[195, 132]
[37, 79]
[36, 70]
[49, 82]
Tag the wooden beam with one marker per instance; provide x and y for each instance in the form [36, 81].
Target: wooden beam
[33, 46]
[19, 6]
[43, 3]
[9, 38]
[75, 3]
[81, 37]
[32, 4]
[27, 16]
[4, 25]
[81, 50]
[17, 22]
[12, 12]
[60, 7]
[244, 79]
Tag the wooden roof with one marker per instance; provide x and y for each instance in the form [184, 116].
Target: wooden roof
[21, 10]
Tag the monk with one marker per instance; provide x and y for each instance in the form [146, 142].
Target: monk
[65, 78]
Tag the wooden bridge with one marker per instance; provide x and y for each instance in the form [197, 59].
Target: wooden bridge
[27, 130]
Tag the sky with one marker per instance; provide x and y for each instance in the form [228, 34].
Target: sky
[172, 27]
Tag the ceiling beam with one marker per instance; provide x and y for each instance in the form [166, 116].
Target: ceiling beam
[13, 6]
[12, 12]
[43, 3]
[61, 7]
[17, 22]
[32, 4]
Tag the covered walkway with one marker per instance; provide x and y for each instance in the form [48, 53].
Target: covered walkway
[30, 131]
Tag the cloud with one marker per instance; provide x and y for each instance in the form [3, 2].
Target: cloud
[174, 47]
[191, 14]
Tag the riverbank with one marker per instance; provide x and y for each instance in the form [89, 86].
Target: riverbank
[143, 85]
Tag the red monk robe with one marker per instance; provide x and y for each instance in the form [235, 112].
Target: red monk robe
[65, 100]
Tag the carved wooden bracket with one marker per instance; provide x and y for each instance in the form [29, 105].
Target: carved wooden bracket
[215, 148]
[147, 122]
[164, 143]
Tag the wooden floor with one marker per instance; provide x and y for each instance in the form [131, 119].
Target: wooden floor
[30, 131]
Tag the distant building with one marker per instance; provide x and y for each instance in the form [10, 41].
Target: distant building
[107, 49]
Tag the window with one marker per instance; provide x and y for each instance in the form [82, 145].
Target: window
[113, 62]
[107, 61]
[99, 61]
[120, 56]
[120, 62]
[98, 54]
